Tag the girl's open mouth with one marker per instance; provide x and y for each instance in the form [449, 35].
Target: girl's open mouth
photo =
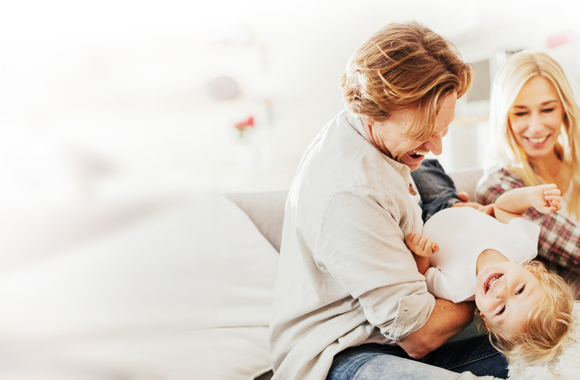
[491, 281]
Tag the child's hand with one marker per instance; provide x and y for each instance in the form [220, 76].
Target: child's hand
[546, 198]
[420, 245]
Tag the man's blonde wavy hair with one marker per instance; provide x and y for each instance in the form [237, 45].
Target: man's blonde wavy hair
[405, 65]
[516, 71]
[548, 323]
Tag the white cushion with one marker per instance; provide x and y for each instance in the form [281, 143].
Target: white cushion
[183, 293]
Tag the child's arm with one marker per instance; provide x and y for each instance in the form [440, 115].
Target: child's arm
[422, 248]
[514, 203]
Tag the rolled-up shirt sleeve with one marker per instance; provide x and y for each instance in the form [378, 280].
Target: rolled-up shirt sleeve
[412, 313]
[360, 242]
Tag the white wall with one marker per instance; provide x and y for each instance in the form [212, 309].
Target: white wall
[110, 100]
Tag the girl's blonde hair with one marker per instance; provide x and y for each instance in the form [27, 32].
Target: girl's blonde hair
[548, 323]
[404, 65]
[509, 80]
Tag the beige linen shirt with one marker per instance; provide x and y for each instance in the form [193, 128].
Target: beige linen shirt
[345, 274]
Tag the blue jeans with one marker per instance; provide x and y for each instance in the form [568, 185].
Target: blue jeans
[436, 188]
[375, 361]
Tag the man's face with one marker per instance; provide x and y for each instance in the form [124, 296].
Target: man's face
[389, 136]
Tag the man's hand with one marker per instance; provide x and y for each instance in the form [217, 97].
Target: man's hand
[546, 198]
[446, 320]
[420, 245]
[466, 203]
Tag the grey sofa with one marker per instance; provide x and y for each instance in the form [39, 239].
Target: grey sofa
[175, 287]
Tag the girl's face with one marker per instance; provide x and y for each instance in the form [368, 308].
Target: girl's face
[505, 294]
[536, 117]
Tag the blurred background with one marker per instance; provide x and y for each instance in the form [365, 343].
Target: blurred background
[111, 110]
[123, 99]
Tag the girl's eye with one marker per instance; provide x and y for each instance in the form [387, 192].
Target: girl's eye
[521, 290]
[548, 110]
[520, 114]
[501, 311]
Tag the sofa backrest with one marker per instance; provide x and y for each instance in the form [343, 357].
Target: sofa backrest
[266, 209]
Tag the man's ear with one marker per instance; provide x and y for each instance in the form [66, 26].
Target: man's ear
[367, 121]
[368, 124]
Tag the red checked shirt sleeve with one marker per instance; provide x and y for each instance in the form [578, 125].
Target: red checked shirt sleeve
[559, 243]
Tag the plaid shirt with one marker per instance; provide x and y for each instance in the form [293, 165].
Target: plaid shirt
[559, 244]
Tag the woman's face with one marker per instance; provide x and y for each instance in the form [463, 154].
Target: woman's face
[536, 117]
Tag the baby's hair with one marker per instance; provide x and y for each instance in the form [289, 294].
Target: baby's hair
[548, 322]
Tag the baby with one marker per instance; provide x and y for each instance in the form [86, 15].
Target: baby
[466, 254]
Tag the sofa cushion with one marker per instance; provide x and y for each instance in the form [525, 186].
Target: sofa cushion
[184, 292]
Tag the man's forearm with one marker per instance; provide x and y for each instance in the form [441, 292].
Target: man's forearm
[446, 320]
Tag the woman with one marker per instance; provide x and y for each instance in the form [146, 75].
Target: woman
[536, 139]
[348, 296]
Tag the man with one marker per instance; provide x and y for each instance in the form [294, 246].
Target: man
[349, 298]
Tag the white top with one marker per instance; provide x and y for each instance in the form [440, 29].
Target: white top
[462, 234]
[345, 273]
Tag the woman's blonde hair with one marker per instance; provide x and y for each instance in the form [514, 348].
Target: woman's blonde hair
[548, 323]
[509, 80]
[404, 65]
